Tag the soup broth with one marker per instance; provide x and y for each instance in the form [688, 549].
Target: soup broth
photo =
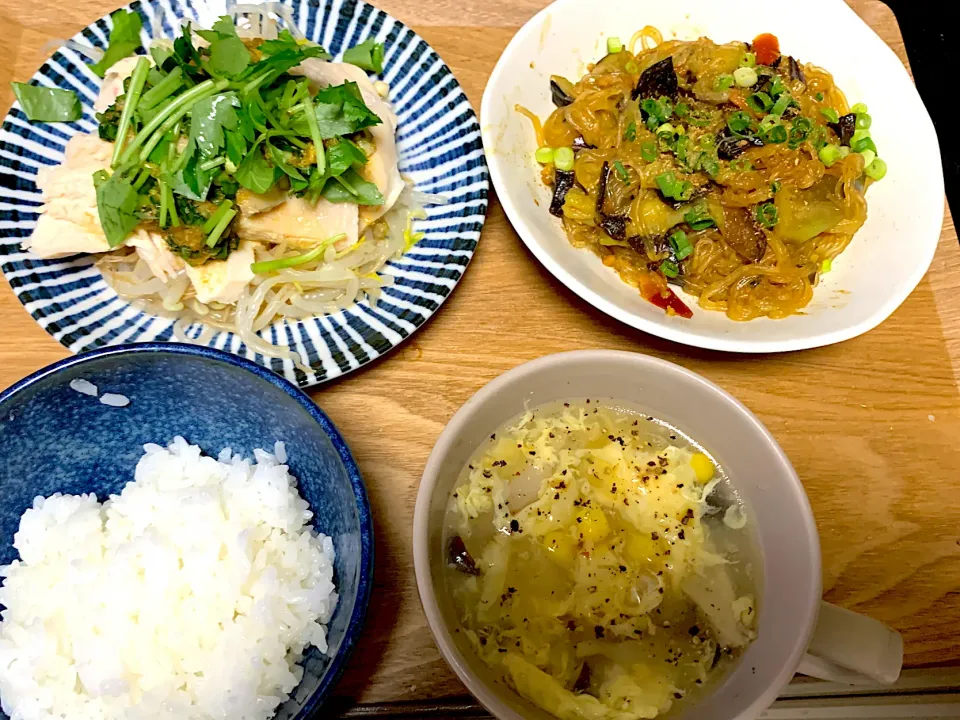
[600, 562]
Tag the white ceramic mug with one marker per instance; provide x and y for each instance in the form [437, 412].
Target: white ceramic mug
[797, 631]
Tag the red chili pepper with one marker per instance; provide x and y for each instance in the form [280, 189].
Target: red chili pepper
[767, 49]
[673, 302]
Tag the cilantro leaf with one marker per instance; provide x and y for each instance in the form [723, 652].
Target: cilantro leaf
[236, 147]
[351, 188]
[124, 40]
[224, 27]
[341, 111]
[160, 54]
[281, 161]
[117, 205]
[47, 104]
[192, 181]
[368, 56]
[286, 41]
[228, 57]
[256, 174]
[342, 156]
[209, 118]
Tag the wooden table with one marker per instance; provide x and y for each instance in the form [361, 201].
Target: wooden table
[872, 425]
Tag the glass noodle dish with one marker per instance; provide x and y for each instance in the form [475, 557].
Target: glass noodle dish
[733, 172]
[238, 176]
[599, 562]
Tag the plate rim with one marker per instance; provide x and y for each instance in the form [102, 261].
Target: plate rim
[328, 333]
[365, 570]
[660, 329]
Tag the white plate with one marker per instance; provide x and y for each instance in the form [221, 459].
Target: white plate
[873, 276]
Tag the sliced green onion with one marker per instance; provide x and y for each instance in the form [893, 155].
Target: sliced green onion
[631, 67]
[830, 114]
[738, 122]
[698, 217]
[648, 151]
[220, 228]
[859, 135]
[868, 157]
[819, 97]
[766, 214]
[844, 151]
[864, 121]
[710, 166]
[544, 155]
[826, 265]
[776, 87]
[681, 110]
[745, 77]
[621, 170]
[724, 82]
[563, 158]
[876, 170]
[768, 122]
[829, 154]
[748, 60]
[669, 268]
[614, 45]
[217, 216]
[667, 182]
[630, 134]
[665, 129]
[163, 89]
[775, 187]
[781, 105]
[859, 108]
[759, 102]
[266, 266]
[137, 80]
[681, 245]
[775, 135]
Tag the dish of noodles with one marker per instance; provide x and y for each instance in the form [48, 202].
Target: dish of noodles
[237, 177]
[733, 172]
[600, 563]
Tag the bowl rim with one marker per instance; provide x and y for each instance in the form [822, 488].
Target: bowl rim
[499, 178]
[448, 436]
[365, 581]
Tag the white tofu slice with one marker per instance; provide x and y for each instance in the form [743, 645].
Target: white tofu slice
[69, 222]
[301, 225]
[223, 281]
[153, 249]
[381, 169]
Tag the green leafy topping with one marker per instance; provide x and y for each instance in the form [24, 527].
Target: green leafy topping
[117, 205]
[368, 55]
[341, 111]
[43, 104]
[124, 40]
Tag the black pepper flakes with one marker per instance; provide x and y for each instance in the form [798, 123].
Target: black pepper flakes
[694, 630]
[681, 535]
[598, 631]
[623, 568]
[487, 474]
[514, 526]
[678, 696]
[654, 536]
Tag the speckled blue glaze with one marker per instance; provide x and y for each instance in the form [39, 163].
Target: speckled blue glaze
[54, 439]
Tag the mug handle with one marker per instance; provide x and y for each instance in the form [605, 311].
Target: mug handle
[850, 648]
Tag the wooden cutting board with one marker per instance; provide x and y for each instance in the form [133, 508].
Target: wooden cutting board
[872, 425]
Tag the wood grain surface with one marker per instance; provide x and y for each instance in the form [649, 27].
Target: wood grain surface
[872, 425]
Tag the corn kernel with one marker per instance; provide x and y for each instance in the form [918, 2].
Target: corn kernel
[561, 547]
[702, 466]
[592, 524]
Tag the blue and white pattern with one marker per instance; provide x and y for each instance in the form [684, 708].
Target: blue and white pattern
[439, 144]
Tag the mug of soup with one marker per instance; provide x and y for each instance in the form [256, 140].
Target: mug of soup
[602, 534]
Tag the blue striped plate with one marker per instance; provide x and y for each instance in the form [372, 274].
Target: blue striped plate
[440, 150]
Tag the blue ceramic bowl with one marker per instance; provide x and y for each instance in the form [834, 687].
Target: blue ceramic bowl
[54, 439]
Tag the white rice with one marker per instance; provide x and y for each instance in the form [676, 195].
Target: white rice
[84, 387]
[115, 400]
[191, 595]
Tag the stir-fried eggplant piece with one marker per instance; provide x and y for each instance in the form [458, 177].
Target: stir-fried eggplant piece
[562, 182]
[560, 97]
[615, 226]
[845, 128]
[731, 146]
[741, 232]
[657, 80]
[459, 556]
